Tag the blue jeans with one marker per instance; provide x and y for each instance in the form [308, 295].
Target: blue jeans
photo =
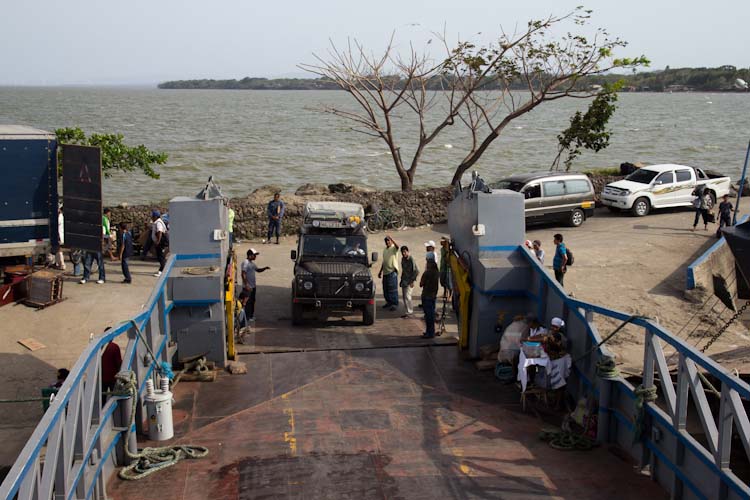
[428, 305]
[89, 260]
[390, 288]
[126, 269]
[274, 225]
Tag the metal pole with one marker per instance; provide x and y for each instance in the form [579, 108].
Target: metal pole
[741, 186]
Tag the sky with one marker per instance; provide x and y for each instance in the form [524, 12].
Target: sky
[48, 42]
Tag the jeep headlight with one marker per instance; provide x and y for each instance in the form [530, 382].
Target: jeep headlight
[624, 192]
[359, 286]
[307, 285]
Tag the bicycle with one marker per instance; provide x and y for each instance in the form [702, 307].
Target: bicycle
[385, 219]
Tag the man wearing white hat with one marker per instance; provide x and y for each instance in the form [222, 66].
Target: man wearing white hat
[249, 268]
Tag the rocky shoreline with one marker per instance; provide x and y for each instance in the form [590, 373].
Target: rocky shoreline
[421, 206]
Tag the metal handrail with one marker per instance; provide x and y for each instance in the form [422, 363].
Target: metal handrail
[25, 477]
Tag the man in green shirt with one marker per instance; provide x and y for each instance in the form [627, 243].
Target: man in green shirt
[230, 216]
[107, 233]
[389, 274]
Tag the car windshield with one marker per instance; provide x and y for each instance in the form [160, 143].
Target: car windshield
[642, 175]
[323, 245]
[512, 185]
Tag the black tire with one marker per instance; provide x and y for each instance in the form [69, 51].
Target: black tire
[373, 223]
[641, 207]
[398, 220]
[297, 312]
[713, 198]
[368, 314]
[576, 217]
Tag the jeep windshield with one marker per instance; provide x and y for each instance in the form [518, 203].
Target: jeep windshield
[642, 176]
[323, 245]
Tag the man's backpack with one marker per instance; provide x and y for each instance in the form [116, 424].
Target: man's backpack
[571, 259]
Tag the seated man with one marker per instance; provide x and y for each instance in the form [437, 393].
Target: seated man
[555, 343]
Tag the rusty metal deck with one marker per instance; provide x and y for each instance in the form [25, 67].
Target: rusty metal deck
[411, 423]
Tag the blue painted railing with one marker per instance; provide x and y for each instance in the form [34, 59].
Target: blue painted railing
[78, 441]
[685, 443]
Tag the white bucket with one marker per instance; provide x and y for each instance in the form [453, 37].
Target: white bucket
[159, 410]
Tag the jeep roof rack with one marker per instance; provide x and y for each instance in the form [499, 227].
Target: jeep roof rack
[333, 214]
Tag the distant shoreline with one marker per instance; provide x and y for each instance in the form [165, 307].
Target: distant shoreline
[725, 79]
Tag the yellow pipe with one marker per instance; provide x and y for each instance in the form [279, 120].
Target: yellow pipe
[229, 305]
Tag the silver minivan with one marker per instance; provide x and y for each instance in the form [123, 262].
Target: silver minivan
[553, 196]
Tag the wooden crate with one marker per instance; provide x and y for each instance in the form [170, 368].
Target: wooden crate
[45, 288]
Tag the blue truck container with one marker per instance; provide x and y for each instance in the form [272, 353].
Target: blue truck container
[28, 191]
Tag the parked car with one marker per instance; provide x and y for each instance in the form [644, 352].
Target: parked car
[660, 186]
[553, 196]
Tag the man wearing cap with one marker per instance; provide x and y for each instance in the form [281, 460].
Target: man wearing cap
[389, 274]
[276, 209]
[249, 268]
[159, 239]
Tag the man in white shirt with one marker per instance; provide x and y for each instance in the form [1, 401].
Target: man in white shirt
[249, 268]
[159, 238]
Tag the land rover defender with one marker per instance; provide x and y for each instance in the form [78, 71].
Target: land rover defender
[331, 265]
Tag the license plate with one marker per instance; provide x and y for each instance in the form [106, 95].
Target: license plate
[330, 224]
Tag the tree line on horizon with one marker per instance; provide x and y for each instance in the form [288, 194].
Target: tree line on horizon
[722, 78]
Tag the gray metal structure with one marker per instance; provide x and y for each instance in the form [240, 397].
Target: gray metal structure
[687, 437]
[198, 235]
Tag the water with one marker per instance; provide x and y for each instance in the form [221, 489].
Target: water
[246, 139]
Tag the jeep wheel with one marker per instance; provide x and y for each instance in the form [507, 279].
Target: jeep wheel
[641, 207]
[577, 217]
[297, 310]
[368, 314]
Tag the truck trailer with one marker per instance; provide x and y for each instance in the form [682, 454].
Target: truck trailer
[28, 191]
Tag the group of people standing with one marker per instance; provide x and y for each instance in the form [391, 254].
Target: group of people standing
[119, 244]
[432, 278]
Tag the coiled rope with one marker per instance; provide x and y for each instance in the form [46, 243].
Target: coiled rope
[642, 395]
[565, 440]
[606, 368]
[149, 460]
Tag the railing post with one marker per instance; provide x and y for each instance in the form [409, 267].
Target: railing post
[126, 421]
[724, 448]
[648, 382]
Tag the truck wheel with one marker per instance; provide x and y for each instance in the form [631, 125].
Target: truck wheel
[368, 314]
[713, 198]
[297, 311]
[641, 207]
[577, 217]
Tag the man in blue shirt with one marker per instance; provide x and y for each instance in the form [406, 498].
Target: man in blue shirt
[276, 209]
[559, 263]
[126, 251]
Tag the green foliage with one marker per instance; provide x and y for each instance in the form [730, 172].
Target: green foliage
[589, 130]
[116, 155]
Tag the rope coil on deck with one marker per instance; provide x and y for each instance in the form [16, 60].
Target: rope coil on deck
[561, 439]
[643, 395]
[149, 460]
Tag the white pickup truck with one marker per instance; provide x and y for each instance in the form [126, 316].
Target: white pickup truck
[660, 186]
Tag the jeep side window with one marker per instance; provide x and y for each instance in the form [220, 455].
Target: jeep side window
[532, 191]
[683, 175]
[554, 188]
[664, 178]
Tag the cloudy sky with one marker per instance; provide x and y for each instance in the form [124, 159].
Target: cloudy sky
[46, 42]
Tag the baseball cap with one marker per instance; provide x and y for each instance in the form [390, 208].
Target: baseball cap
[254, 251]
[429, 243]
[155, 213]
[557, 322]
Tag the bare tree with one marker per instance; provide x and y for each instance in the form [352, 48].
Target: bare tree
[482, 87]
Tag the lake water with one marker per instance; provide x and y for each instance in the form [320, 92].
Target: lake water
[246, 139]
